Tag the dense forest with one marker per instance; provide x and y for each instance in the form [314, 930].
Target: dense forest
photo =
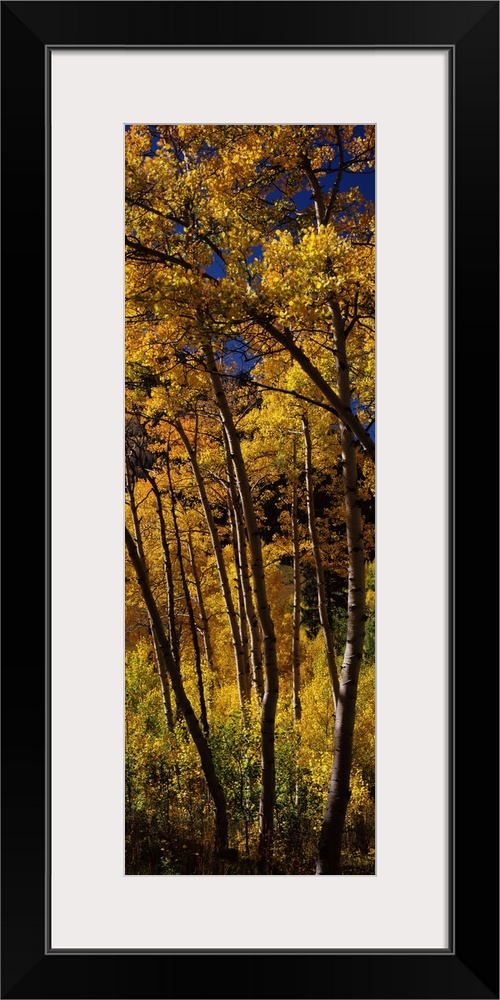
[250, 500]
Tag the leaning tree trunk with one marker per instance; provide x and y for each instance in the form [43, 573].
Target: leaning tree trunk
[164, 681]
[242, 563]
[214, 786]
[242, 618]
[318, 562]
[189, 605]
[167, 569]
[270, 700]
[205, 630]
[159, 657]
[221, 567]
[330, 842]
[297, 707]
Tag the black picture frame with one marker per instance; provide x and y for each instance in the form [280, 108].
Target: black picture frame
[469, 969]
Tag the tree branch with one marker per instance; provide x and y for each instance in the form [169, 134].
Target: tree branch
[344, 412]
[335, 188]
[144, 253]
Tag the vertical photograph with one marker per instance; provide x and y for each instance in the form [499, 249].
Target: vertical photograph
[249, 438]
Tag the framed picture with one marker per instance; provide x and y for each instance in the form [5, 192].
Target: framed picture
[73, 924]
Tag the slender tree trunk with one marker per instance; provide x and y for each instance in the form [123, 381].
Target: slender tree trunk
[160, 660]
[205, 630]
[270, 700]
[330, 842]
[242, 620]
[164, 681]
[221, 567]
[213, 784]
[318, 562]
[167, 570]
[189, 605]
[242, 562]
[297, 707]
